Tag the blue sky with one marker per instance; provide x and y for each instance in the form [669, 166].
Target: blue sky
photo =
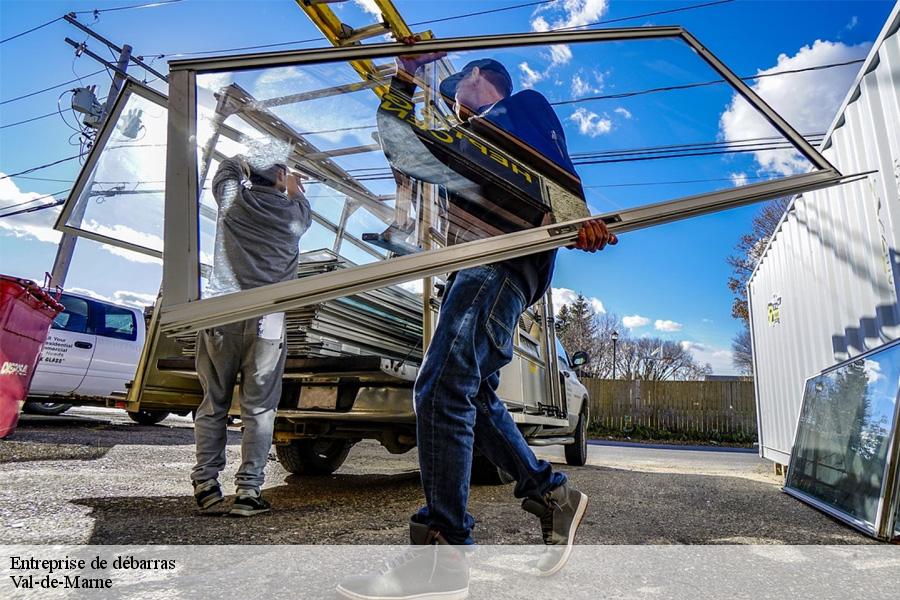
[669, 281]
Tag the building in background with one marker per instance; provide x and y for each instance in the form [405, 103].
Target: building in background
[826, 288]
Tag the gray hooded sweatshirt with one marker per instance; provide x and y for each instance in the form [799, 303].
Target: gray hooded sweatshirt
[258, 230]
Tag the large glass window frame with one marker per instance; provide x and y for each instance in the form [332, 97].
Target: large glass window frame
[184, 310]
[85, 176]
[129, 89]
[885, 525]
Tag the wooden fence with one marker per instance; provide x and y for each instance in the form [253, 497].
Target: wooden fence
[695, 407]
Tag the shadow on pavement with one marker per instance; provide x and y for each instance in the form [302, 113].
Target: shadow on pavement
[627, 507]
[66, 437]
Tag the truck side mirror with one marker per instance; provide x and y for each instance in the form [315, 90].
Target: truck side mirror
[580, 358]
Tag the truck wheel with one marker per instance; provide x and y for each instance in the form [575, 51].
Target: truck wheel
[484, 472]
[313, 457]
[576, 453]
[148, 417]
[45, 408]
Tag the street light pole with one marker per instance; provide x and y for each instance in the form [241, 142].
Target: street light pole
[615, 337]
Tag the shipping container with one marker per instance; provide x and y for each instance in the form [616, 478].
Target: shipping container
[826, 287]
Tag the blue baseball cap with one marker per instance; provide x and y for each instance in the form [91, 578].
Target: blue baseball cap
[448, 85]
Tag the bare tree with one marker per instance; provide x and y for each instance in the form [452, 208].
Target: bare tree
[742, 351]
[748, 252]
[655, 359]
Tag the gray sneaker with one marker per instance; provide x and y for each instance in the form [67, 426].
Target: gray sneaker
[248, 503]
[207, 494]
[560, 512]
[430, 569]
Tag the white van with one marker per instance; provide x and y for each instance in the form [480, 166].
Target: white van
[92, 350]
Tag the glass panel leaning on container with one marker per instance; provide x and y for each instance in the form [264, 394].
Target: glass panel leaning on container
[845, 454]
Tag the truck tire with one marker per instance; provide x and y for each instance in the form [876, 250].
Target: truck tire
[484, 472]
[576, 453]
[148, 417]
[313, 457]
[33, 407]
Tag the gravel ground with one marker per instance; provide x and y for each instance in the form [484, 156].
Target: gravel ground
[91, 476]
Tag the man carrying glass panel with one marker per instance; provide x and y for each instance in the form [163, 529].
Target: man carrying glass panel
[262, 215]
[492, 190]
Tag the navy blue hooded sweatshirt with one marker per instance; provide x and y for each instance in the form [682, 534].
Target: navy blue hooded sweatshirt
[528, 116]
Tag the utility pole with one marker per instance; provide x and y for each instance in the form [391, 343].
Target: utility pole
[67, 243]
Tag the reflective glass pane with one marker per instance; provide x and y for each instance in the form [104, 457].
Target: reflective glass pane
[842, 440]
[420, 154]
[124, 194]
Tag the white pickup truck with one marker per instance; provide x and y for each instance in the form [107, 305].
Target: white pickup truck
[92, 351]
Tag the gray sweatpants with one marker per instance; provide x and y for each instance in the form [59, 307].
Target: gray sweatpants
[254, 348]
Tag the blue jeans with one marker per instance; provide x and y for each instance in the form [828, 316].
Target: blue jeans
[457, 407]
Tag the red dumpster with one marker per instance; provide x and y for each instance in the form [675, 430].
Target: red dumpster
[26, 312]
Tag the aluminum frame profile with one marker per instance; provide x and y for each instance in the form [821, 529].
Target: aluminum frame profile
[182, 308]
[292, 294]
[889, 501]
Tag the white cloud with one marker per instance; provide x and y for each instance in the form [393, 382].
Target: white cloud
[566, 296]
[720, 359]
[539, 24]
[569, 13]
[667, 326]
[873, 370]
[36, 225]
[809, 100]
[129, 255]
[854, 21]
[279, 76]
[580, 87]
[369, 6]
[590, 123]
[529, 75]
[635, 321]
[738, 179]
[560, 54]
[623, 111]
[125, 297]
[692, 346]
[128, 234]
[215, 81]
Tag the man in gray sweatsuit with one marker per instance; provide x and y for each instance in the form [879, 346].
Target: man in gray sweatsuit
[262, 215]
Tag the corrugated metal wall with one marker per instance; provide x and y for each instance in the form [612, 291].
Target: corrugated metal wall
[826, 288]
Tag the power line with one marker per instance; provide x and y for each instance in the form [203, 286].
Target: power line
[609, 160]
[41, 26]
[56, 202]
[481, 12]
[38, 168]
[738, 143]
[650, 14]
[115, 8]
[49, 114]
[704, 83]
[622, 95]
[85, 12]
[647, 183]
[32, 200]
[53, 87]
[450, 18]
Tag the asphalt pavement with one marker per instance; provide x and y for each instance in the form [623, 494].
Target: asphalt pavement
[93, 476]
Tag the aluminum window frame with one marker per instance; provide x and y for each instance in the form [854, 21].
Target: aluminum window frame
[130, 87]
[182, 307]
[889, 498]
